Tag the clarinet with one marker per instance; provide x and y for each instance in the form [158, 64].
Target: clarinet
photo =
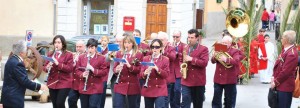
[122, 64]
[148, 76]
[87, 77]
[50, 67]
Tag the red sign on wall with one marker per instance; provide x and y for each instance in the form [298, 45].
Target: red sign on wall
[128, 23]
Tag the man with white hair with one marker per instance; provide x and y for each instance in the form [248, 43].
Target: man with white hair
[74, 93]
[179, 46]
[285, 69]
[15, 78]
[226, 77]
[168, 51]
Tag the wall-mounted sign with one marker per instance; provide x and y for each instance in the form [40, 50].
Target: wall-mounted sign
[111, 18]
[100, 11]
[85, 20]
[97, 28]
[28, 37]
[128, 23]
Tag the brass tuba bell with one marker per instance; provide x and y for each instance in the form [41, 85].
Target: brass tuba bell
[237, 22]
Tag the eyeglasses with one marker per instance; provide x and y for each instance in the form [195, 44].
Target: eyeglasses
[176, 36]
[154, 47]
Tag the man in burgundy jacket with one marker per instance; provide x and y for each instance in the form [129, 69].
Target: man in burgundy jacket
[226, 78]
[168, 51]
[193, 87]
[179, 46]
[285, 69]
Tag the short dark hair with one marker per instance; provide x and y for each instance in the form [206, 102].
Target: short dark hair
[137, 30]
[63, 41]
[272, 10]
[92, 42]
[266, 36]
[191, 31]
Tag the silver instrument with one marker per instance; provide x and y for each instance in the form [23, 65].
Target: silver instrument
[122, 64]
[49, 69]
[87, 77]
[149, 69]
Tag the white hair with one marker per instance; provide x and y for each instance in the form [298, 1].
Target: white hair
[290, 35]
[80, 42]
[163, 35]
[19, 47]
[177, 32]
[227, 38]
[153, 36]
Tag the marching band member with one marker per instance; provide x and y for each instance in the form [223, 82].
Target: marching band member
[168, 51]
[91, 68]
[127, 85]
[155, 90]
[196, 57]
[226, 78]
[74, 93]
[59, 80]
[143, 47]
[111, 79]
[104, 43]
[285, 69]
[179, 46]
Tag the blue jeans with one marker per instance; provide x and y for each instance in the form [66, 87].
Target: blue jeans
[158, 102]
[175, 102]
[193, 94]
[230, 95]
[103, 96]
[73, 98]
[125, 101]
[170, 96]
[90, 101]
[284, 99]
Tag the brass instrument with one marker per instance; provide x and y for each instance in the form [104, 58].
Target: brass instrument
[184, 65]
[218, 58]
[149, 69]
[87, 77]
[237, 22]
[112, 55]
[49, 69]
[122, 64]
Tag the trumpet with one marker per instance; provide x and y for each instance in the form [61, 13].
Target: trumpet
[184, 65]
[218, 58]
[87, 77]
[49, 69]
[148, 69]
[121, 64]
[112, 55]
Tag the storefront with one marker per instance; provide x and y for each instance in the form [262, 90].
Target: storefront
[97, 17]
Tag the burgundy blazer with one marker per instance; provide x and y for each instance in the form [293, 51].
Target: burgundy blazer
[176, 63]
[227, 75]
[196, 75]
[144, 49]
[75, 77]
[285, 69]
[104, 54]
[105, 51]
[129, 81]
[60, 75]
[170, 52]
[157, 83]
[94, 83]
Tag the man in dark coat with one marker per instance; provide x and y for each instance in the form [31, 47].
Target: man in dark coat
[16, 80]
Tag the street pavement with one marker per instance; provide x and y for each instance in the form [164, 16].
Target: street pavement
[251, 95]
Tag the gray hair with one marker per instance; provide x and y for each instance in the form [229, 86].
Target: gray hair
[19, 47]
[227, 38]
[177, 32]
[162, 35]
[290, 35]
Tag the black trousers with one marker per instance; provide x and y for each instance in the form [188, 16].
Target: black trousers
[73, 98]
[58, 97]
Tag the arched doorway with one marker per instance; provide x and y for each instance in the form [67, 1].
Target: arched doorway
[156, 17]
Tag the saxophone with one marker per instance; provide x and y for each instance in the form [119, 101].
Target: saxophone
[184, 65]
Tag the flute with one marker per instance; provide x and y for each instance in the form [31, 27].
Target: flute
[87, 77]
[149, 69]
[122, 64]
[49, 69]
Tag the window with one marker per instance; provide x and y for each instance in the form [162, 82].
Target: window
[158, 1]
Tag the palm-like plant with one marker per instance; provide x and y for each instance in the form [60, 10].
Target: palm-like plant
[253, 29]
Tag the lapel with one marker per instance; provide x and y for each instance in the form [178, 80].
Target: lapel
[281, 57]
[194, 52]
